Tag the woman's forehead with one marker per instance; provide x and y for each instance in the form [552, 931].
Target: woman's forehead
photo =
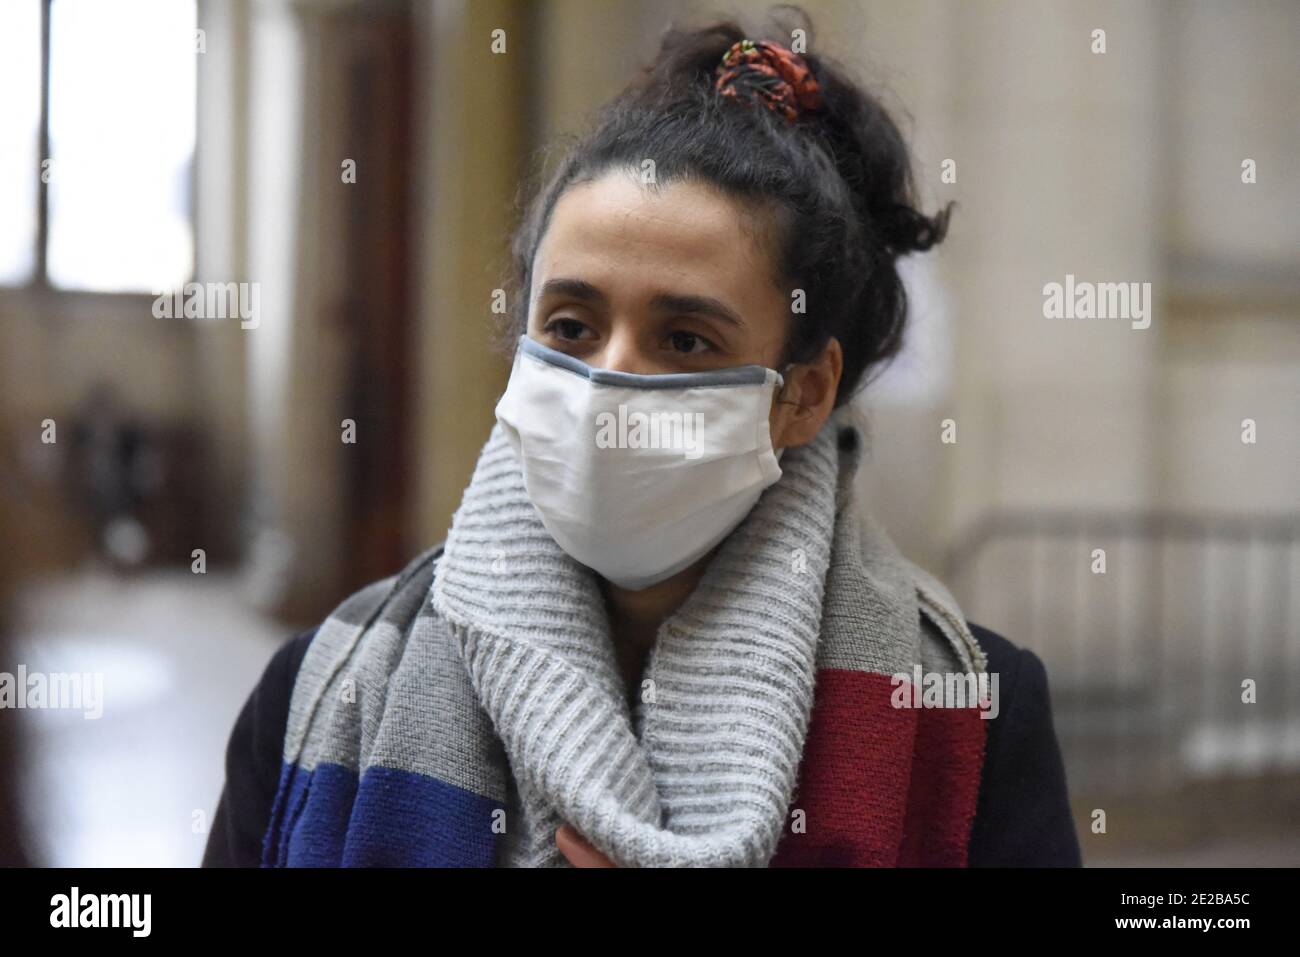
[614, 231]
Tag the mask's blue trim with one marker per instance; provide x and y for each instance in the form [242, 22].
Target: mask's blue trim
[736, 375]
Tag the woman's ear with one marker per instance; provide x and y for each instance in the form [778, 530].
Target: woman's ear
[805, 402]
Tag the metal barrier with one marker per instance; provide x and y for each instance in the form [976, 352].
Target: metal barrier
[1170, 639]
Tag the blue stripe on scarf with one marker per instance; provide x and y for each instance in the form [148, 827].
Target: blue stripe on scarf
[394, 819]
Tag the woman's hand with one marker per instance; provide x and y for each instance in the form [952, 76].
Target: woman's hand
[578, 850]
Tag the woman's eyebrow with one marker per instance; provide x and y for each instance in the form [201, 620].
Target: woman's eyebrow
[663, 302]
[700, 305]
[575, 288]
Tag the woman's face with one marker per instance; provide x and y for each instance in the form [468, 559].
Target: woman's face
[671, 280]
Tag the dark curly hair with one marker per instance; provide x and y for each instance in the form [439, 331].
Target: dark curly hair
[837, 185]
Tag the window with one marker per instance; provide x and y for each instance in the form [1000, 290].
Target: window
[97, 132]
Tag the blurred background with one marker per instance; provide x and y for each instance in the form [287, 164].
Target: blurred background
[179, 495]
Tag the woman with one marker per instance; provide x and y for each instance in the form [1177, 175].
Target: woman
[659, 632]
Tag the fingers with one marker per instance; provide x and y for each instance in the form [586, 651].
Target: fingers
[578, 850]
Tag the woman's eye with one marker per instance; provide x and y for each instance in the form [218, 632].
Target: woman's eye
[689, 342]
[569, 329]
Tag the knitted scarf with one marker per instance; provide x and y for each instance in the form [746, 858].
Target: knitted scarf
[459, 712]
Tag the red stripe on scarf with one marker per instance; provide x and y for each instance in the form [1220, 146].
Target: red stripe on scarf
[883, 786]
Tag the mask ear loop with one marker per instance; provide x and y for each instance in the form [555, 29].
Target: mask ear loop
[783, 373]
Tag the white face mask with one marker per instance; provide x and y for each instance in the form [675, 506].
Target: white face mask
[638, 476]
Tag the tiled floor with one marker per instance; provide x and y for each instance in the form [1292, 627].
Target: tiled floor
[1281, 850]
[179, 653]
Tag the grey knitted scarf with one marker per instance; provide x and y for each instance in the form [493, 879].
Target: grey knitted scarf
[503, 682]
